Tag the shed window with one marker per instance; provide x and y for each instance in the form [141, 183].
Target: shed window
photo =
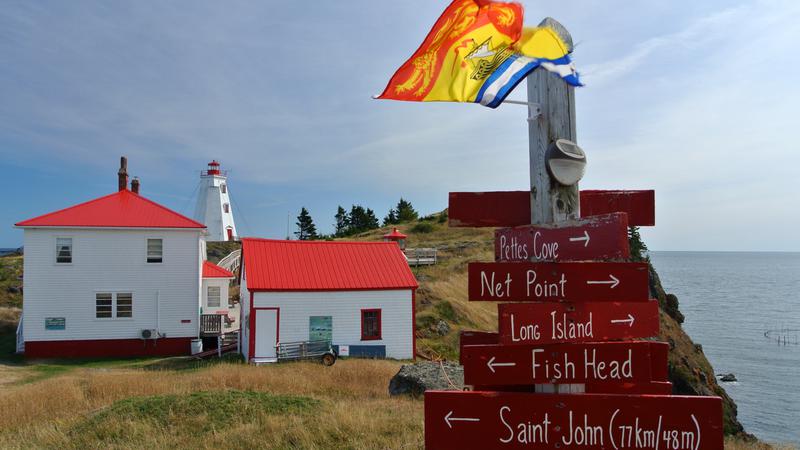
[213, 296]
[223, 188]
[155, 250]
[103, 305]
[64, 250]
[226, 208]
[370, 324]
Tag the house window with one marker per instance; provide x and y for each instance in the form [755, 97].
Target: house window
[155, 250]
[105, 308]
[125, 305]
[370, 324]
[103, 305]
[226, 207]
[223, 188]
[64, 250]
[213, 296]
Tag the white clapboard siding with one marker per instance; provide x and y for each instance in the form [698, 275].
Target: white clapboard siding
[244, 314]
[345, 307]
[111, 261]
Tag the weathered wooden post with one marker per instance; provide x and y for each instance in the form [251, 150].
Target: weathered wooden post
[550, 201]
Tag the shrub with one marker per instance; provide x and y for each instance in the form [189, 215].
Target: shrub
[422, 227]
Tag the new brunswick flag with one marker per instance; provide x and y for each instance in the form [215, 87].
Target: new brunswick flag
[478, 52]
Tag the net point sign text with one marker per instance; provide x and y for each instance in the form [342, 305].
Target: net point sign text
[584, 281]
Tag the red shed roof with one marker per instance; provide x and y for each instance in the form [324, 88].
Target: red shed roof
[211, 270]
[276, 265]
[122, 209]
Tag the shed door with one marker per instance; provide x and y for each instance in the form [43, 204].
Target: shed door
[266, 333]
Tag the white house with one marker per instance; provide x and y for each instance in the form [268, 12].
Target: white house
[358, 295]
[119, 275]
[216, 284]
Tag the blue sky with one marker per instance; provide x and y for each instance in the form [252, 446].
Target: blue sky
[697, 100]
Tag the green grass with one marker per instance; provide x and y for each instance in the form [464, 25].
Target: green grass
[220, 407]
[10, 271]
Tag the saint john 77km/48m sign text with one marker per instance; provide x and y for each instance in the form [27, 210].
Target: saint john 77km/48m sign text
[501, 420]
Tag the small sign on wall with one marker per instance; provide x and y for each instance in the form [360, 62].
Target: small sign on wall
[344, 350]
[55, 323]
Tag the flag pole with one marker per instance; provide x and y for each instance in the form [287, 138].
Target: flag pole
[534, 109]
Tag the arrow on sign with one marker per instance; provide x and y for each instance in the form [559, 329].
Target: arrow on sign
[449, 418]
[629, 320]
[614, 281]
[584, 238]
[493, 364]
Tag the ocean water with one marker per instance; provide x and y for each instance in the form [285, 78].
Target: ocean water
[730, 301]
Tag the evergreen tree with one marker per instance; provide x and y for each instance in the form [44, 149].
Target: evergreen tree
[371, 220]
[306, 230]
[391, 218]
[342, 222]
[405, 211]
[637, 245]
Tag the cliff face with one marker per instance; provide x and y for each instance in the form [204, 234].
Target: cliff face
[689, 369]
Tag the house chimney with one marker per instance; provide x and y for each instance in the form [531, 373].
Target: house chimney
[135, 185]
[123, 173]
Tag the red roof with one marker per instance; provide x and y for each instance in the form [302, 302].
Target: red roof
[122, 209]
[395, 235]
[211, 270]
[275, 265]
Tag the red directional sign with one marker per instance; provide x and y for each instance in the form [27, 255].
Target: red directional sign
[594, 238]
[640, 205]
[508, 365]
[513, 208]
[627, 388]
[572, 281]
[549, 323]
[498, 420]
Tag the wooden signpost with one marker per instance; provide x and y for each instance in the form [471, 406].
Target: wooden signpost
[513, 420]
[562, 372]
[513, 209]
[550, 323]
[574, 281]
[594, 238]
[557, 363]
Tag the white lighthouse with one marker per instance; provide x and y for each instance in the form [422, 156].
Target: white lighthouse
[214, 204]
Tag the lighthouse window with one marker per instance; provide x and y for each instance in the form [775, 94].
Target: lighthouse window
[223, 188]
[226, 208]
[64, 250]
[155, 250]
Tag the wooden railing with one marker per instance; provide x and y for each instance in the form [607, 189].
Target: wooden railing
[211, 324]
[420, 256]
[232, 261]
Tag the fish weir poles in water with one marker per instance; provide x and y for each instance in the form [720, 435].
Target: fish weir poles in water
[550, 201]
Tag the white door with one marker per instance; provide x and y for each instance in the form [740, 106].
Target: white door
[266, 334]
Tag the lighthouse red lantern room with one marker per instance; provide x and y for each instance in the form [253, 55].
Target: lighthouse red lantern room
[396, 236]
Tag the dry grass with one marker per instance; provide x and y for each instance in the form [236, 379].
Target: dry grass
[354, 409]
